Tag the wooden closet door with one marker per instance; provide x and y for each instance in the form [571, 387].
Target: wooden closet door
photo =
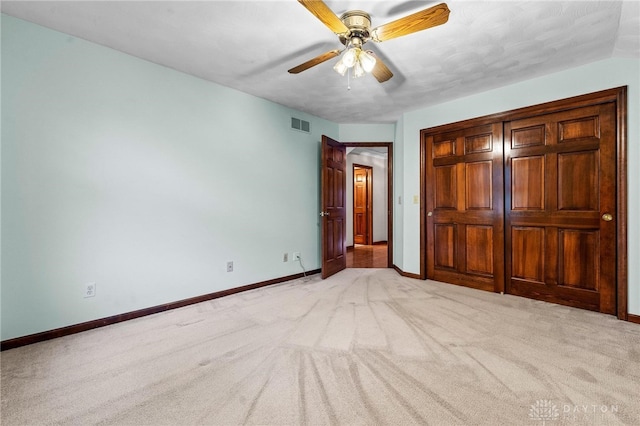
[559, 192]
[465, 223]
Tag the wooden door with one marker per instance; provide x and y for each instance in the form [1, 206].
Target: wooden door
[362, 205]
[559, 188]
[465, 219]
[333, 199]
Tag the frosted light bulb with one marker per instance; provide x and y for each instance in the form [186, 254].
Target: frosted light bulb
[350, 57]
[367, 61]
[358, 71]
[340, 67]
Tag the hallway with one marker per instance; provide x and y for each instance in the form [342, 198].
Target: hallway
[365, 256]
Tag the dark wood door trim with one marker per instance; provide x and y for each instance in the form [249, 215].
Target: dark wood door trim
[619, 97]
[389, 146]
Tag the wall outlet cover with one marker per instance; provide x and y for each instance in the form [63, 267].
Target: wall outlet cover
[89, 290]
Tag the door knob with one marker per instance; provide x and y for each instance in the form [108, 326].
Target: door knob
[430, 214]
[324, 214]
[607, 217]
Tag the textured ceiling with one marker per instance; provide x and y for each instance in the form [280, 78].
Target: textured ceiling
[250, 45]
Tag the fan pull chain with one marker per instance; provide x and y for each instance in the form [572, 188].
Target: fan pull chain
[349, 79]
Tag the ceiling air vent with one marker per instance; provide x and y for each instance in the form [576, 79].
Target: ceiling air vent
[302, 125]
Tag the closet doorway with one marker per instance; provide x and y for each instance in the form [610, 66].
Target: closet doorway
[531, 202]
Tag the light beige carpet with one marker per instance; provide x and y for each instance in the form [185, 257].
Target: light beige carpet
[366, 346]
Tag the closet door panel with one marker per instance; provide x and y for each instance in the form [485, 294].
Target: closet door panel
[560, 178]
[464, 181]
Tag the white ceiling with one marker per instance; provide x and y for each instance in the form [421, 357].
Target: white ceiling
[250, 45]
[371, 151]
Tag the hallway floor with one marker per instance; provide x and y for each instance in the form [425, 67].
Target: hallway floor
[364, 256]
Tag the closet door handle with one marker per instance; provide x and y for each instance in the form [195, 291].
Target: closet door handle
[607, 217]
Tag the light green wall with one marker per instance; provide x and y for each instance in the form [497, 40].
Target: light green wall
[577, 81]
[367, 132]
[141, 179]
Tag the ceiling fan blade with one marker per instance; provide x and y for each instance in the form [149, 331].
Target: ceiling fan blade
[431, 17]
[315, 61]
[380, 71]
[326, 15]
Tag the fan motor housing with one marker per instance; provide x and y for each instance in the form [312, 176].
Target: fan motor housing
[358, 22]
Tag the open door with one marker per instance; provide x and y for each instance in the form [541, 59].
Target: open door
[333, 186]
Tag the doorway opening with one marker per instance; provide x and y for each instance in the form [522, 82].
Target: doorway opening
[368, 198]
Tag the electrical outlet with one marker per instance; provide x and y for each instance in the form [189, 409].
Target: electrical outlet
[89, 290]
[285, 257]
[296, 256]
[230, 266]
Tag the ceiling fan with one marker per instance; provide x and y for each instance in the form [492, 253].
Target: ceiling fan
[353, 29]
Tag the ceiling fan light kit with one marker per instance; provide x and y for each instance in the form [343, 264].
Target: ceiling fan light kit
[357, 59]
[353, 29]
